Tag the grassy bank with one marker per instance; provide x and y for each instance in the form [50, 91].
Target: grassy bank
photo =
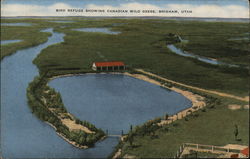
[212, 126]
[47, 105]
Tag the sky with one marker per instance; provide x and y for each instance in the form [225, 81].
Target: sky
[195, 8]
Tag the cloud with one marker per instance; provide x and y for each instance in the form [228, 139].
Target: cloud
[201, 10]
[32, 10]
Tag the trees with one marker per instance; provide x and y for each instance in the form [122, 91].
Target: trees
[131, 139]
[236, 132]
[166, 116]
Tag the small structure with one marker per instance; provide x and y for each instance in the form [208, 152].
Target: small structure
[108, 66]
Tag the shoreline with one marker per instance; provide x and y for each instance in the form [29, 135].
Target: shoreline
[70, 142]
[196, 100]
[81, 74]
[70, 126]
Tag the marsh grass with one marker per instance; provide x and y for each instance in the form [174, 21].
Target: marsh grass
[213, 127]
[141, 45]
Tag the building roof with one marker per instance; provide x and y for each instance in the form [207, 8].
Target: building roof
[245, 151]
[115, 63]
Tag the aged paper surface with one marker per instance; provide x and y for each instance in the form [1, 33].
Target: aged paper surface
[124, 79]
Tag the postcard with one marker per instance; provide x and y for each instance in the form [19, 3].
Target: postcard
[124, 79]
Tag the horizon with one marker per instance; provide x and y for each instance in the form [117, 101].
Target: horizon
[212, 19]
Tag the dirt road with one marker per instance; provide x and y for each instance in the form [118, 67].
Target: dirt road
[245, 99]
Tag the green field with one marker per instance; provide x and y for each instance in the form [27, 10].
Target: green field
[194, 154]
[141, 44]
[213, 127]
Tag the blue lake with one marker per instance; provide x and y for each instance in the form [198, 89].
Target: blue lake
[97, 30]
[4, 42]
[114, 101]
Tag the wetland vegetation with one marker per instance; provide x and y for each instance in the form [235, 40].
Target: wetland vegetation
[29, 34]
[140, 45]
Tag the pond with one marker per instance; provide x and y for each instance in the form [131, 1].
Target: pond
[97, 30]
[16, 24]
[113, 102]
[4, 42]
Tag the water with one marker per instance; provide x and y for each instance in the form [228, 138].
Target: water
[4, 42]
[182, 40]
[98, 30]
[114, 102]
[179, 51]
[16, 24]
[22, 134]
[25, 136]
[62, 21]
[240, 39]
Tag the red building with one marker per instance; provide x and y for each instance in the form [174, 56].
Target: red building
[108, 66]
